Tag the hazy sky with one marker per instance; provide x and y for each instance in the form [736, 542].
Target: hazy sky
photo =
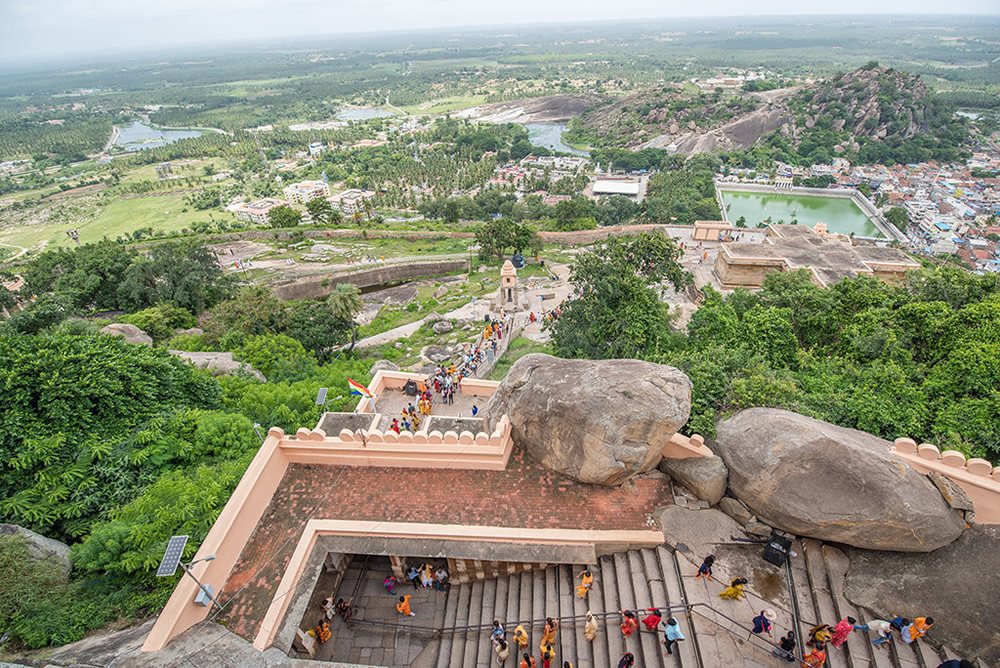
[46, 29]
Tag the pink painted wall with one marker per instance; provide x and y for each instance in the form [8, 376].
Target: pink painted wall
[682, 447]
[226, 540]
[979, 478]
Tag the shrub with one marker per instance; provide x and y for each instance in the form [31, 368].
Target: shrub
[267, 352]
[160, 321]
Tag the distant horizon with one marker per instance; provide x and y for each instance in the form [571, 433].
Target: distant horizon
[19, 50]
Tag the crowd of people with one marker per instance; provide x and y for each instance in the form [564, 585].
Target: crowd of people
[818, 639]
[821, 636]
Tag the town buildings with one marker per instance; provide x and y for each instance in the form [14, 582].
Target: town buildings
[305, 191]
[351, 201]
[256, 212]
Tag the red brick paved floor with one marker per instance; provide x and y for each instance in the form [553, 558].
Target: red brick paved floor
[524, 495]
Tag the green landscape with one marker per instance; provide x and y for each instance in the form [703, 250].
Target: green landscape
[112, 444]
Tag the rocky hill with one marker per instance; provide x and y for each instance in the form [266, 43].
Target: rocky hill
[874, 114]
[658, 116]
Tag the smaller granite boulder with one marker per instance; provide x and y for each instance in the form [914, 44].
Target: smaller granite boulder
[440, 292]
[193, 331]
[130, 333]
[735, 509]
[219, 363]
[41, 548]
[433, 316]
[442, 327]
[383, 365]
[706, 477]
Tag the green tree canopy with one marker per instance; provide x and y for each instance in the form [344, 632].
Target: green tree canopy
[283, 216]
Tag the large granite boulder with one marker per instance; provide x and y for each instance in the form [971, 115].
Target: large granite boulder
[956, 585]
[598, 422]
[705, 476]
[41, 548]
[130, 333]
[816, 479]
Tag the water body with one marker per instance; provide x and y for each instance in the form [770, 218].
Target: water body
[549, 135]
[840, 214]
[139, 136]
[362, 114]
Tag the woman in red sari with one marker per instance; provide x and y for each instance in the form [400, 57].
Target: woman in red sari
[629, 622]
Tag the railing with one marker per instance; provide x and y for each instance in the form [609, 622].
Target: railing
[691, 608]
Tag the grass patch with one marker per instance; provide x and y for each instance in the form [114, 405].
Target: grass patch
[164, 213]
[444, 105]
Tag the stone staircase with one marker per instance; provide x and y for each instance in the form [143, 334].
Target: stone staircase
[819, 573]
[640, 579]
[635, 579]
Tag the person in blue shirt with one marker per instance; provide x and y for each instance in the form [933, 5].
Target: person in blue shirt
[498, 632]
[672, 634]
[475, 409]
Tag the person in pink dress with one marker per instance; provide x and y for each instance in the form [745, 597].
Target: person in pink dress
[841, 630]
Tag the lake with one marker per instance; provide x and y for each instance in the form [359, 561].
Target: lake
[549, 135]
[139, 136]
[840, 214]
[362, 114]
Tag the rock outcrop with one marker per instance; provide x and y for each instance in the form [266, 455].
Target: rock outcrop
[41, 548]
[955, 585]
[816, 479]
[219, 363]
[382, 365]
[130, 333]
[706, 477]
[598, 422]
[442, 327]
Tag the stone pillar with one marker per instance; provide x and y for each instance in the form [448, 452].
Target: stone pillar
[397, 568]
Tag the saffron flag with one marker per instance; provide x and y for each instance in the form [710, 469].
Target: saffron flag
[358, 388]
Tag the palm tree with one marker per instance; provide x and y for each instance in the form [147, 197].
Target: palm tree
[345, 303]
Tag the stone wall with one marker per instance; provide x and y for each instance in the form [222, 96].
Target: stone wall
[321, 285]
[733, 272]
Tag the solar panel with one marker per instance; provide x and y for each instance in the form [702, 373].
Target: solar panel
[321, 397]
[172, 557]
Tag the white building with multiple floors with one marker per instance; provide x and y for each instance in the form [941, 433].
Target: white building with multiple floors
[304, 191]
[256, 211]
[350, 201]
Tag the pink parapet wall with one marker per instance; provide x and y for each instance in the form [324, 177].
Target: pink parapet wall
[367, 447]
[684, 447]
[977, 477]
[225, 539]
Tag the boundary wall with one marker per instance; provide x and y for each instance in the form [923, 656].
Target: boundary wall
[977, 477]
